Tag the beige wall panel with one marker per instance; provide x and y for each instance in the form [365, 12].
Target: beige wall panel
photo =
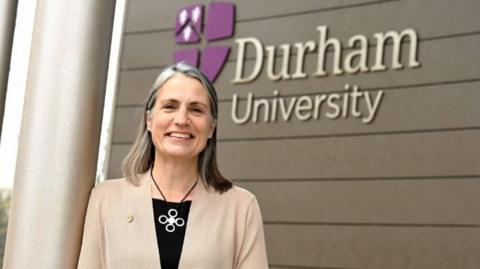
[373, 247]
[156, 48]
[425, 201]
[148, 15]
[127, 121]
[125, 124]
[253, 9]
[367, 20]
[431, 107]
[408, 155]
[134, 86]
[117, 153]
[420, 154]
[271, 9]
[276, 266]
[147, 50]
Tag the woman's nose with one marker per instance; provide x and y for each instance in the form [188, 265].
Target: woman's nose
[181, 118]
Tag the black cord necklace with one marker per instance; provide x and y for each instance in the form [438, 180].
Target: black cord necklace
[171, 220]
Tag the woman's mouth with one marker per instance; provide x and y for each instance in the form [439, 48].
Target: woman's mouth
[180, 135]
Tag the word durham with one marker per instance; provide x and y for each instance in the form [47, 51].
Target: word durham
[352, 103]
[355, 59]
[351, 59]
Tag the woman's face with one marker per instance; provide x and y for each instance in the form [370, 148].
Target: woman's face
[180, 121]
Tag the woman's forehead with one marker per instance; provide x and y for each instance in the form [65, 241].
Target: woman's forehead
[183, 88]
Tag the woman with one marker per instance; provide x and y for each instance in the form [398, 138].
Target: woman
[174, 209]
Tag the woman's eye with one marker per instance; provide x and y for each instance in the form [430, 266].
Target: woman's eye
[168, 107]
[197, 110]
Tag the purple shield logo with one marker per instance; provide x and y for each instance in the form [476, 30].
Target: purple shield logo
[189, 29]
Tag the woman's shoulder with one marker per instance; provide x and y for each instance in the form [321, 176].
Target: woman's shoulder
[238, 195]
[241, 192]
[240, 200]
[111, 188]
[112, 185]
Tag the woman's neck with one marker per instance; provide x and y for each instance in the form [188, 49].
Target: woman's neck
[174, 178]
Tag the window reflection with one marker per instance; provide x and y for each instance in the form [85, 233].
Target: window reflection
[5, 199]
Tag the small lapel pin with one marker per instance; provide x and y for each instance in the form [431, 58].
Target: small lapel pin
[130, 218]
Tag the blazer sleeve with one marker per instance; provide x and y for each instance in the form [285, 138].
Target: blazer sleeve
[90, 250]
[253, 254]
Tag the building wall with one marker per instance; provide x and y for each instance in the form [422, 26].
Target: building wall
[399, 192]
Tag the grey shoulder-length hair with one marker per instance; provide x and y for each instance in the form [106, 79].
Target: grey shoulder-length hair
[142, 154]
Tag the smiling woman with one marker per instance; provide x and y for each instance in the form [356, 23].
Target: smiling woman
[173, 208]
[180, 122]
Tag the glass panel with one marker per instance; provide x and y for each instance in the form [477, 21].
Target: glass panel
[5, 199]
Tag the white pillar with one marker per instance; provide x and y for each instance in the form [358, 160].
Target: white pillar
[60, 132]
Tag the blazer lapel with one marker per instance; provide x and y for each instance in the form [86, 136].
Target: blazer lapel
[146, 221]
[197, 209]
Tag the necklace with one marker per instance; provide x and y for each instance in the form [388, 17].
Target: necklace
[171, 221]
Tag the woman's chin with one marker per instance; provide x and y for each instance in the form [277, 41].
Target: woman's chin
[179, 154]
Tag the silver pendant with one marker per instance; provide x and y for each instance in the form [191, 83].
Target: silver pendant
[171, 220]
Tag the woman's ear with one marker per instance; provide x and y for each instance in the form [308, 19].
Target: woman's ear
[212, 129]
[148, 120]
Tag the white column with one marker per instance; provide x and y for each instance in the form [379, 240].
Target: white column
[60, 132]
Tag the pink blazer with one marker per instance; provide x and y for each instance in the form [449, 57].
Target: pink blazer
[223, 230]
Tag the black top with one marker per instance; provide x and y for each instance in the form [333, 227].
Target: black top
[170, 230]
